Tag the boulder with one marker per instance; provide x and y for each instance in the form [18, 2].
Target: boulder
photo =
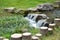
[46, 6]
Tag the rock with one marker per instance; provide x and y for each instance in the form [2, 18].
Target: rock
[32, 9]
[57, 4]
[46, 6]
[38, 35]
[50, 31]
[21, 11]
[10, 9]
[26, 36]
[44, 30]
[52, 25]
[57, 21]
[1, 38]
[35, 38]
[16, 36]
[5, 39]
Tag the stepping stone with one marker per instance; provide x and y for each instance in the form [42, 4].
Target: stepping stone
[38, 35]
[35, 38]
[19, 11]
[26, 36]
[52, 26]
[5, 39]
[50, 30]
[16, 36]
[57, 21]
[1, 38]
[44, 30]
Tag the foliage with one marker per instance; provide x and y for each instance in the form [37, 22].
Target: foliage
[9, 24]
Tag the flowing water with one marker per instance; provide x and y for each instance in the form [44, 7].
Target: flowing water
[40, 21]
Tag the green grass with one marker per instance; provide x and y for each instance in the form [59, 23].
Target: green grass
[12, 24]
[22, 3]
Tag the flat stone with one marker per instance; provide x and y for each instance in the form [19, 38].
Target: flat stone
[44, 30]
[50, 29]
[26, 34]
[58, 19]
[35, 38]
[5, 39]
[38, 35]
[52, 24]
[16, 36]
[1, 38]
[43, 27]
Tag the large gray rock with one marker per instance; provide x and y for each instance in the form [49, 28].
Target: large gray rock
[46, 6]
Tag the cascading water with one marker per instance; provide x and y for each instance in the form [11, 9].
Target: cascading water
[36, 20]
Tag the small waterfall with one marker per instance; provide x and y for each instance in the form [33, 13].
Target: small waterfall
[33, 17]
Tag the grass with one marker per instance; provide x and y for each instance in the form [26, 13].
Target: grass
[22, 3]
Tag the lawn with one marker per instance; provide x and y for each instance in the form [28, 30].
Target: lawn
[13, 23]
[23, 3]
